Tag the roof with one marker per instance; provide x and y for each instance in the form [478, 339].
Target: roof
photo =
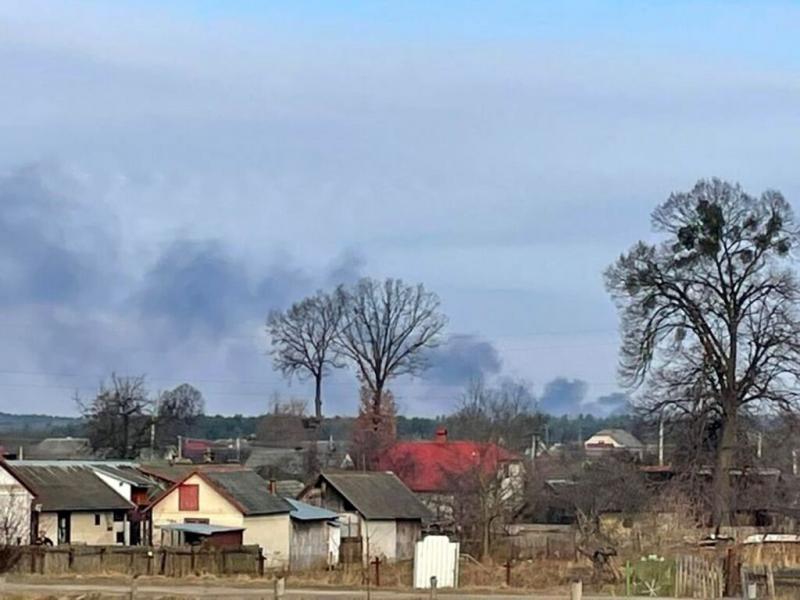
[68, 487]
[247, 490]
[624, 438]
[127, 473]
[306, 512]
[289, 488]
[178, 472]
[437, 466]
[377, 495]
[199, 528]
[241, 487]
[60, 448]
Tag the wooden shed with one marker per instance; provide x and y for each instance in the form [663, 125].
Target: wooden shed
[315, 536]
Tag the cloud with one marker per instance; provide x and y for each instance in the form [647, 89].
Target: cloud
[462, 358]
[563, 396]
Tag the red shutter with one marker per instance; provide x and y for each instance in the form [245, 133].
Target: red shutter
[189, 497]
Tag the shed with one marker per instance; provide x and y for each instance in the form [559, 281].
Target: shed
[379, 515]
[316, 536]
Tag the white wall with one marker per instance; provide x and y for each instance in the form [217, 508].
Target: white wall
[380, 539]
[121, 487]
[15, 510]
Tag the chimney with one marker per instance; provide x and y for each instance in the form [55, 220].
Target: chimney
[441, 435]
[273, 489]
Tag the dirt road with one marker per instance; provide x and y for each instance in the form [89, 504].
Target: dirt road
[27, 590]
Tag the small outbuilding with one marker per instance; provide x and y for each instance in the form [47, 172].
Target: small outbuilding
[379, 515]
[316, 536]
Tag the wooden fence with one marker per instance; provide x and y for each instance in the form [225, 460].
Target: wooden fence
[140, 560]
[699, 577]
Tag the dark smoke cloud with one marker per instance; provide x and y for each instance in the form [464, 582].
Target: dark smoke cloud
[563, 396]
[51, 251]
[616, 403]
[197, 310]
[460, 359]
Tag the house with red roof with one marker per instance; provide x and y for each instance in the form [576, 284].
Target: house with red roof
[441, 470]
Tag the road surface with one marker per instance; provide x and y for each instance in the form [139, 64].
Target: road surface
[178, 590]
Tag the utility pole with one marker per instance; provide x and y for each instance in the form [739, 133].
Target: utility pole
[180, 446]
[661, 441]
[758, 445]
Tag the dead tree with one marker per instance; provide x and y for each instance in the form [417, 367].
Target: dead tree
[709, 313]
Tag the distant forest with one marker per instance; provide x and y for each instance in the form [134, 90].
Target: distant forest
[553, 429]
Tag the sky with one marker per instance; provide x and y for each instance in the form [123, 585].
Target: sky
[170, 172]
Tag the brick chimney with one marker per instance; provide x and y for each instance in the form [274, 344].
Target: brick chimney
[272, 486]
[441, 435]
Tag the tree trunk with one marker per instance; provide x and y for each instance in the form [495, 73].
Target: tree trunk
[318, 397]
[722, 477]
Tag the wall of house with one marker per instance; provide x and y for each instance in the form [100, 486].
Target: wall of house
[213, 506]
[380, 539]
[15, 510]
[606, 440]
[408, 534]
[273, 533]
[310, 544]
[121, 487]
[83, 529]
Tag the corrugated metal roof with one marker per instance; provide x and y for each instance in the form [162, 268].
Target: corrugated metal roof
[199, 528]
[69, 487]
[378, 495]
[248, 490]
[307, 512]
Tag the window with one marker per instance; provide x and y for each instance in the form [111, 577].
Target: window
[120, 537]
[96, 520]
[119, 515]
[188, 497]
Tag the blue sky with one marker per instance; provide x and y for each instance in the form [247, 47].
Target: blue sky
[170, 173]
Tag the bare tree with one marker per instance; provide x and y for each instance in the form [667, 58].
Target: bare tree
[118, 418]
[386, 327]
[178, 409]
[302, 339]
[373, 432]
[709, 314]
[505, 413]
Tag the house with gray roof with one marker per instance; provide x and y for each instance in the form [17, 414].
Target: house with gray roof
[379, 515]
[612, 440]
[236, 499]
[72, 505]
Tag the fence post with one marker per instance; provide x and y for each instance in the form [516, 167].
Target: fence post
[507, 565]
[576, 590]
[770, 582]
[261, 561]
[377, 563]
[434, 585]
[280, 588]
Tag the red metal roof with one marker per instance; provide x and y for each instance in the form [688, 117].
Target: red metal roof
[442, 465]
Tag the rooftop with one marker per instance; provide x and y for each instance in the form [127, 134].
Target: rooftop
[377, 495]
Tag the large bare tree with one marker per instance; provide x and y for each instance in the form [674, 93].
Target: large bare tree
[386, 328]
[709, 313]
[118, 418]
[302, 339]
[178, 410]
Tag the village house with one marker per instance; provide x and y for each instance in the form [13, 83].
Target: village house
[72, 505]
[233, 504]
[316, 536]
[441, 470]
[613, 440]
[16, 501]
[379, 515]
[137, 488]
